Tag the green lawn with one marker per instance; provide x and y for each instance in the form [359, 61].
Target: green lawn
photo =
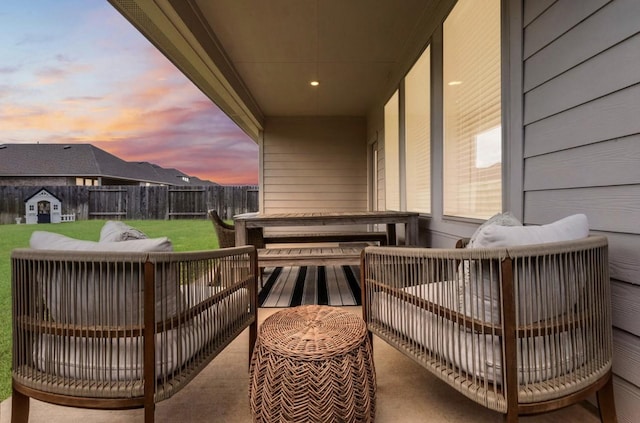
[186, 235]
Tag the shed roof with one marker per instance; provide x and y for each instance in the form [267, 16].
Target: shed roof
[39, 191]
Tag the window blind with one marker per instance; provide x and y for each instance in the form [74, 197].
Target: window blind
[392, 153]
[472, 110]
[417, 121]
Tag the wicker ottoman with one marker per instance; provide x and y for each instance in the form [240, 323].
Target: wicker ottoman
[312, 364]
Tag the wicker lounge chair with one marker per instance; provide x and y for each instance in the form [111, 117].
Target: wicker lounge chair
[520, 330]
[227, 236]
[111, 330]
[227, 233]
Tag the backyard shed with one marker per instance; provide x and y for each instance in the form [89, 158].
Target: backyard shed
[43, 207]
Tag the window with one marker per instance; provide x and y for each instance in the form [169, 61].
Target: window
[417, 121]
[472, 159]
[392, 153]
[373, 176]
[86, 182]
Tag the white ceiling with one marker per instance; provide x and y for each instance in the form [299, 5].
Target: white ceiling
[278, 46]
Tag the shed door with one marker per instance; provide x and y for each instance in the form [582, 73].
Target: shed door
[44, 212]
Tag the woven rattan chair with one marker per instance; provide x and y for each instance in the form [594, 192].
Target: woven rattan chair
[519, 330]
[227, 233]
[124, 329]
[227, 236]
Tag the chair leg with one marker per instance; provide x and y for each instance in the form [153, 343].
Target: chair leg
[149, 413]
[510, 417]
[253, 336]
[261, 277]
[606, 402]
[19, 407]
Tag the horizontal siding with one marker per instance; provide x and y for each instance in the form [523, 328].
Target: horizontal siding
[613, 116]
[626, 356]
[533, 9]
[624, 257]
[346, 187]
[312, 196]
[310, 207]
[321, 148]
[607, 27]
[317, 173]
[614, 162]
[581, 147]
[562, 16]
[627, 401]
[611, 209]
[299, 159]
[625, 299]
[582, 83]
[312, 164]
[300, 181]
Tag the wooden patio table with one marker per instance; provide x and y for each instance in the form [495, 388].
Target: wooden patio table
[243, 222]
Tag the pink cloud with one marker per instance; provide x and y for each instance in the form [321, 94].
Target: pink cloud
[197, 140]
[121, 95]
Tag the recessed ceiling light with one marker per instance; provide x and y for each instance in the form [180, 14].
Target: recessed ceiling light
[314, 83]
[454, 83]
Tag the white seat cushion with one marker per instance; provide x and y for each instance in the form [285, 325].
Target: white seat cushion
[541, 357]
[120, 359]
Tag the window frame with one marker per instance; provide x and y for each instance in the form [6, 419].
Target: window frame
[442, 228]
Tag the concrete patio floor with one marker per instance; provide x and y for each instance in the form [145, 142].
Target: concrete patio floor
[406, 393]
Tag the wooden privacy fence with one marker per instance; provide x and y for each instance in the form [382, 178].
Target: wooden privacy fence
[135, 202]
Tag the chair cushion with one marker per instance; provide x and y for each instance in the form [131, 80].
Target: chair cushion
[115, 231]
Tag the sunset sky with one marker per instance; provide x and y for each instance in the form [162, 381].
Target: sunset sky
[75, 71]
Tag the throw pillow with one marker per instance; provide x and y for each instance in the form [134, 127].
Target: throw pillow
[501, 219]
[469, 295]
[109, 293]
[480, 291]
[115, 231]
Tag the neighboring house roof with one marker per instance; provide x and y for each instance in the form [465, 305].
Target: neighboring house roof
[81, 160]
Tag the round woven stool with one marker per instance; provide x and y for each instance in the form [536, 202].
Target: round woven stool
[312, 364]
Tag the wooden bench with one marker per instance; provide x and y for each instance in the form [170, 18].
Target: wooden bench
[286, 238]
[310, 256]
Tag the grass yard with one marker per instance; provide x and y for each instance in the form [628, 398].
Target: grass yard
[185, 235]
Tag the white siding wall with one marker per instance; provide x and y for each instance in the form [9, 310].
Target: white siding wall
[312, 164]
[582, 146]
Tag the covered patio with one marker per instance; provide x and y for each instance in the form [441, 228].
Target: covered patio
[357, 106]
[406, 393]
